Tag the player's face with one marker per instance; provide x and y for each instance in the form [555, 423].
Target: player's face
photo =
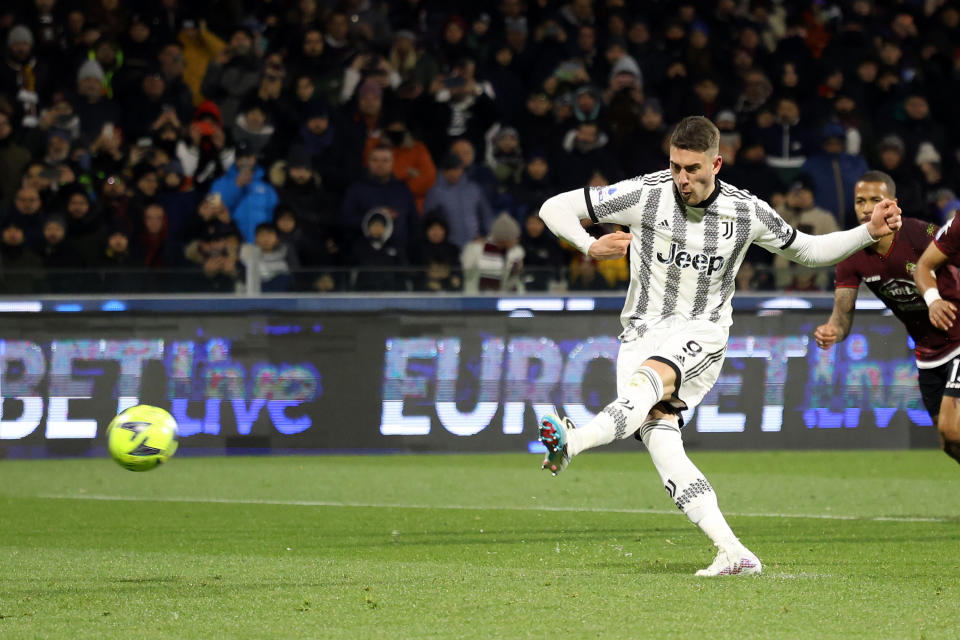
[867, 195]
[694, 173]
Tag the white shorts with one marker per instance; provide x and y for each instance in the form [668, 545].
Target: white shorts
[694, 348]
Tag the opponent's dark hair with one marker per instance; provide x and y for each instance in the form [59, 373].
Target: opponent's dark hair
[880, 176]
[696, 133]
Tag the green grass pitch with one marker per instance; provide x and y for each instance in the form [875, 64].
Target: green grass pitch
[854, 545]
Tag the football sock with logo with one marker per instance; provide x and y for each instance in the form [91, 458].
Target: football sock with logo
[621, 418]
[686, 484]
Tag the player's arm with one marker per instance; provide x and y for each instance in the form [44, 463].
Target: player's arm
[831, 248]
[942, 312]
[837, 328]
[562, 214]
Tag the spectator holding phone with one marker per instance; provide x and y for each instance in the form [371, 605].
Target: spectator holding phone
[246, 192]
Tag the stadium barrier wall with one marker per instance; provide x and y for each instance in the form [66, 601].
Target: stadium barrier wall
[414, 374]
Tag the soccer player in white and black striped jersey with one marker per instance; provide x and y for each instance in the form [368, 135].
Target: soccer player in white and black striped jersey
[689, 233]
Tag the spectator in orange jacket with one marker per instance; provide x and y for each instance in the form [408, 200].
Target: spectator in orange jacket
[412, 162]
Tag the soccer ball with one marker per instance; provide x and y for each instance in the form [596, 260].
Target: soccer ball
[142, 437]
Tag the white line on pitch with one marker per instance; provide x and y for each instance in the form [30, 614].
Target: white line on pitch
[462, 507]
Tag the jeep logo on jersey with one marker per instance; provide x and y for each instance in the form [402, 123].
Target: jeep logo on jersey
[696, 261]
[899, 290]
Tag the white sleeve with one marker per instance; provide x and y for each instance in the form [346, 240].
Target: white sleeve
[828, 249]
[562, 214]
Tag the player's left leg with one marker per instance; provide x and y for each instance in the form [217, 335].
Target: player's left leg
[693, 494]
[948, 423]
[642, 382]
[649, 384]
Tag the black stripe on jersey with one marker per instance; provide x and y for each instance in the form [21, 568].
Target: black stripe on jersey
[586, 196]
[733, 258]
[672, 289]
[647, 220]
[672, 365]
[702, 366]
[711, 234]
[709, 355]
[656, 178]
[775, 224]
[738, 194]
[793, 236]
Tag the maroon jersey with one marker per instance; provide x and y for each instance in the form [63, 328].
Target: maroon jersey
[890, 277]
[948, 241]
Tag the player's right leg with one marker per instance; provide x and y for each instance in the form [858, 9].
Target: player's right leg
[692, 493]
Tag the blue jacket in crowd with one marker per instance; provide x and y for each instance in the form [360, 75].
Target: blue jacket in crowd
[249, 205]
[464, 207]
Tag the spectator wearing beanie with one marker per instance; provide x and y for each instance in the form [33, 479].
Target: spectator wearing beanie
[495, 263]
[22, 76]
[504, 156]
[93, 107]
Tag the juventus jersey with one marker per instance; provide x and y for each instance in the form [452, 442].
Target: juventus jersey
[684, 259]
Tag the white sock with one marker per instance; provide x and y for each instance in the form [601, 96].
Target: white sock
[684, 482]
[621, 418]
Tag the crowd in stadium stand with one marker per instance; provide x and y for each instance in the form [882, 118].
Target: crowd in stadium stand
[363, 145]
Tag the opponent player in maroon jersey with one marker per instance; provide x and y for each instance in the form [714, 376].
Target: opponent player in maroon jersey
[943, 256]
[888, 269]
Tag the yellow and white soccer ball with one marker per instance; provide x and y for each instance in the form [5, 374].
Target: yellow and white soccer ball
[142, 437]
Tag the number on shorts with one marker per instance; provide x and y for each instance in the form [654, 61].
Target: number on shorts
[692, 348]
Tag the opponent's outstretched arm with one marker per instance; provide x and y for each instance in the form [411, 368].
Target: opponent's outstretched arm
[837, 328]
[562, 214]
[942, 312]
[831, 248]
